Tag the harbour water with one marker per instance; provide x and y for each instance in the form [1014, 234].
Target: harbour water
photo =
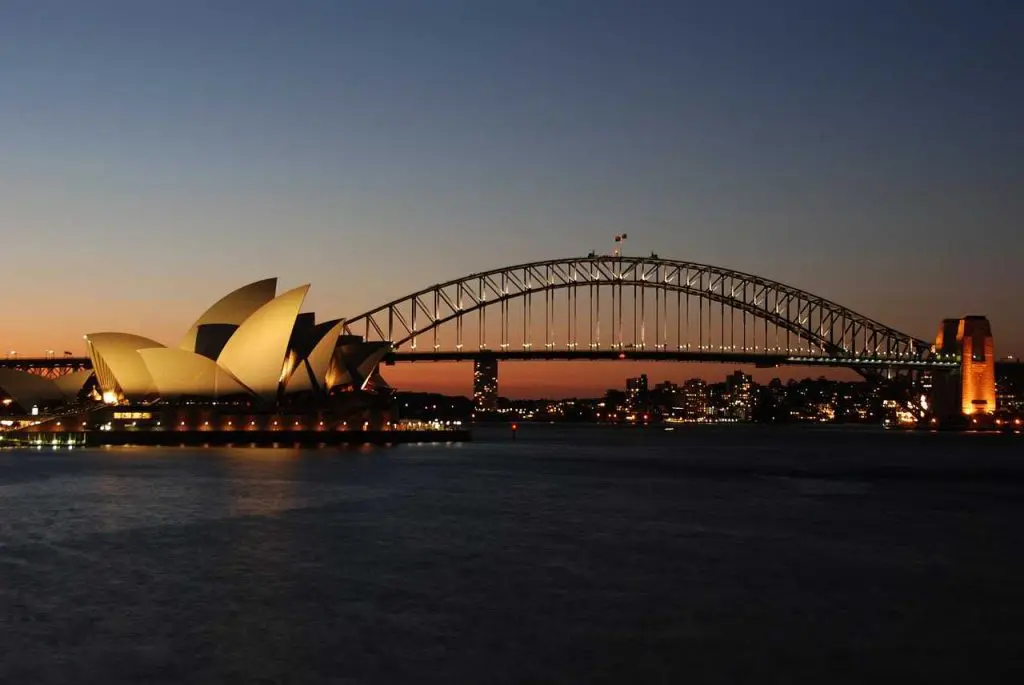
[570, 555]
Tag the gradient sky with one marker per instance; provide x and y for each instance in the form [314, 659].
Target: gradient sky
[155, 155]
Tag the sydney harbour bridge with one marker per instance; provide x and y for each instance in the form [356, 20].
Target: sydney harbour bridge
[617, 307]
[639, 308]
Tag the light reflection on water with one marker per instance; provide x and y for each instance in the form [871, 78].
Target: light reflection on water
[568, 555]
[134, 489]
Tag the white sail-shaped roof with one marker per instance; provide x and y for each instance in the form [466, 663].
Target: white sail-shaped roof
[178, 373]
[300, 379]
[355, 362]
[70, 384]
[233, 308]
[256, 352]
[28, 389]
[376, 381]
[118, 366]
[319, 359]
[369, 365]
[338, 376]
[311, 372]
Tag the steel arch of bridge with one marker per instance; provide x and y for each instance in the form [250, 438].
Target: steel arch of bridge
[828, 328]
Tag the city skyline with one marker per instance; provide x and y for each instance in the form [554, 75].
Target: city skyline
[868, 154]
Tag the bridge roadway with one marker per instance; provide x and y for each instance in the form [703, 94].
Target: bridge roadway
[760, 359]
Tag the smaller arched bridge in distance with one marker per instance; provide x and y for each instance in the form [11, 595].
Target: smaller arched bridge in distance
[638, 308]
[48, 366]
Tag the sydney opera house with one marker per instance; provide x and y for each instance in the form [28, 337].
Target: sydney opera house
[250, 345]
[250, 361]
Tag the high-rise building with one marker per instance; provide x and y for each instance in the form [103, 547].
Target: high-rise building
[739, 391]
[695, 399]
[637, 393]
[485, 384]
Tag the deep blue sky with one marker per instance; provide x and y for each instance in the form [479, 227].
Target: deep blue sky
[871, 152]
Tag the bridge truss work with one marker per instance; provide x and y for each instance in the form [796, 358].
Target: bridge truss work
[47, 367]
[631, 305]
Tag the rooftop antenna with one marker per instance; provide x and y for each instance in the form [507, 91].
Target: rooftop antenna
[619, 239]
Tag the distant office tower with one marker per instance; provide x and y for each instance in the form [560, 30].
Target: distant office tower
[695, 399]
[637, 393]
[739, 388]
[485, 384]
[971, 389]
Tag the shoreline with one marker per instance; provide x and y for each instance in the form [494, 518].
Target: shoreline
[284, 438]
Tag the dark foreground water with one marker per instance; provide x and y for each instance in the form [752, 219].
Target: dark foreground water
[568, 556]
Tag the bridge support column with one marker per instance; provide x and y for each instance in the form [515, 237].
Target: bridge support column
[485, 384]
[969, 390]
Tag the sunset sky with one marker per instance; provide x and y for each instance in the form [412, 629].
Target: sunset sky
[154, 156]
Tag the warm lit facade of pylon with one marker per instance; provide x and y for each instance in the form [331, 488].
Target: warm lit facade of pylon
[978, 366]
[972, 390]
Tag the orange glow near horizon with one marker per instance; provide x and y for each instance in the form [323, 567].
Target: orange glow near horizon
[559, 379]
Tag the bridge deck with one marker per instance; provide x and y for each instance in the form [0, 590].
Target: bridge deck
[747, 358]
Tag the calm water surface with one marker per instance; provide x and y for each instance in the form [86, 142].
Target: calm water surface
[572, 555]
